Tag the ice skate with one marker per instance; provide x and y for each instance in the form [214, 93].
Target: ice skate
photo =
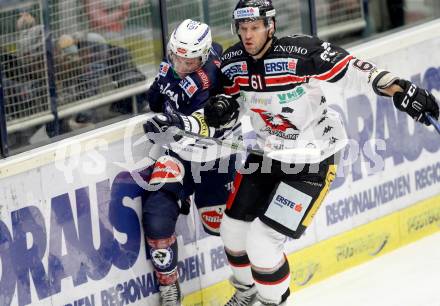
[244, 294]
[170, 295]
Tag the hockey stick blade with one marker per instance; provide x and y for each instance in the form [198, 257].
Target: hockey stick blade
[434, 122]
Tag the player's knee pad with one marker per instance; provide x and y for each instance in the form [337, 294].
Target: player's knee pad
[233, 233]
[159, 215]
[264, 245]
[211, 217]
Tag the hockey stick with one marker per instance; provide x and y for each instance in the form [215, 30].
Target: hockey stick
[434, 122]
[301, 154]
[233, 143]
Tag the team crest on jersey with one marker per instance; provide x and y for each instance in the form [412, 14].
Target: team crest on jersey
[275, 122]
[234, 69]
[189, 86]
[163, 69]
[280, 65]
[277, 125]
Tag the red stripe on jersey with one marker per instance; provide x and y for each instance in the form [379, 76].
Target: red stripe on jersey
[283, 80]
[242, 80]
[289, 79]
[335, 70]
[235, 89]
[232, 90]
[233, 193]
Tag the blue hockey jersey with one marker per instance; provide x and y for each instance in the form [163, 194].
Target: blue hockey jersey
[171, 93]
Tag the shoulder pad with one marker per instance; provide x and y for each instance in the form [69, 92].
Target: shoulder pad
[236, 51]
[300, 35]
[298, 44]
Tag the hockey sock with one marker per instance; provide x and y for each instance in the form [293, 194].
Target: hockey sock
[273, 283]
[233, 233]
[270, 268]
[163, 254]
[240, 266]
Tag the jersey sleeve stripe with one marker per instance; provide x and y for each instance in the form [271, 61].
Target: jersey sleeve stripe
[241, 80]
[289, 79]
[335, 70]
[235, 89]
[232, 90]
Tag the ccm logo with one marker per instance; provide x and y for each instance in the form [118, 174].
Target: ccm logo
[409, 94]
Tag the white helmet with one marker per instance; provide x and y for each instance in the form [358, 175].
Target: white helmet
[191, 39]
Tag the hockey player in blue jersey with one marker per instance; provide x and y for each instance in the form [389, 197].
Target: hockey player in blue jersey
[187, 78]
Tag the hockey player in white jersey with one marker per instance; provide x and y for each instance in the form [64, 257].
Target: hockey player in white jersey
[276, 81]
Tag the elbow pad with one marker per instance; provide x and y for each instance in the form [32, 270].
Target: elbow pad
[382, 79]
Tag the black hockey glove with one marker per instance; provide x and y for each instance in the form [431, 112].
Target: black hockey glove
[415, 102]
[160, 123]
[221, 111]
[157, 125]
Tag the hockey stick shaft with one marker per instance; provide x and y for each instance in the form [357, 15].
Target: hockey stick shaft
[234, 144]
[434, 122]
[300, 154]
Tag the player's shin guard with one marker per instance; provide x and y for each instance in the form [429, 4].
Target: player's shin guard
[272, 284]
[240, 266]
[163, 254]
[270, 268]
[233, 233]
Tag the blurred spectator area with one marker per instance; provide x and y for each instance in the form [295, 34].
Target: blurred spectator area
[86, 47]
[96, 50]
[337, 17]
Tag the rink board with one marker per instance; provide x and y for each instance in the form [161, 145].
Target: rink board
[328, 257]
[70, 226]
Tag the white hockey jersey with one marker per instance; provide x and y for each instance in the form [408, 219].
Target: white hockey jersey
[281, 92]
